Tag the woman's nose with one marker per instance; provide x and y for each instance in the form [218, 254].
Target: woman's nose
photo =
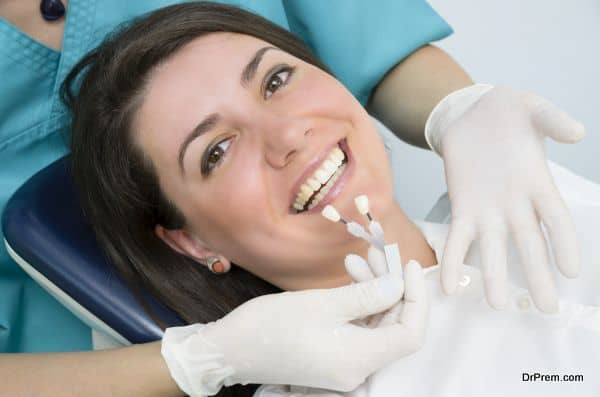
[283, 139]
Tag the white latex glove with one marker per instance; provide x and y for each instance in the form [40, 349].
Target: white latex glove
[297, 338]
[362, 271]
[492, 143]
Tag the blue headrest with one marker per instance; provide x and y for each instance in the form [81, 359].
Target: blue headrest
[43, 223]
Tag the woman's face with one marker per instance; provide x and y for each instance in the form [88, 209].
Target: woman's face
[234, 127]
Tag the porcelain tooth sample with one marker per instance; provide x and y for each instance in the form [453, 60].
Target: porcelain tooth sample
[331, 213]
[362, 204]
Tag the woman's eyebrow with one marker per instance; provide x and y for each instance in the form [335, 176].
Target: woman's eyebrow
[205, 125]
[210, 121]
[250, 69]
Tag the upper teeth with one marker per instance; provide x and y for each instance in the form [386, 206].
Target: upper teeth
[320, 176]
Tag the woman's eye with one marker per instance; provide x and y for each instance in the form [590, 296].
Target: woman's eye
[214, 155]
[277, 80]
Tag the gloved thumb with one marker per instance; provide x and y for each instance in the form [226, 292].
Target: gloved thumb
[550, 121]
[368, 297]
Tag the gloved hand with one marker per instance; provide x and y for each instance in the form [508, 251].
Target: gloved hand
[377, 266]
[492, 143]
[297, 338]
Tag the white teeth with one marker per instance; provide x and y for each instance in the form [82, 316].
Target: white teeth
[328, 187]
[313, 183]
[338, 153]
[325, 190]
[302, 197]
[316, 200]
[325, 173]
[337, 161]
[321, 176]
[298, 206]
[306, 189]
[330, 166]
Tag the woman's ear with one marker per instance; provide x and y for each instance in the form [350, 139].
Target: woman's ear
[181, 241]
[190, 246]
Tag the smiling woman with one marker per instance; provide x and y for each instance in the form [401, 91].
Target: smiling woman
[119, 185]
[197, 141]
[267, 123]
[205, 134]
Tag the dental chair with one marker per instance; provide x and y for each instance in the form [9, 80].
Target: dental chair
[47, 235]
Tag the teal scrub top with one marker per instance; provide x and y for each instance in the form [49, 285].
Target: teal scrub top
[358, 40]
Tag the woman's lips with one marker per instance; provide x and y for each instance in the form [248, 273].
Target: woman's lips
[338, 186]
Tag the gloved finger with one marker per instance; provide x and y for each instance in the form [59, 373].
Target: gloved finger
[377, 232]
[416, 298]
[365, 298]
[493, 248]
[392, 316]
[377, 261]
[407, 335]
[550, 121]
[459, 239]
[561, 232]
[358, 268]
[534, 257]
[376, 256]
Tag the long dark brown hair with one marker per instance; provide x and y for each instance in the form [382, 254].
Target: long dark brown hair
[117, 183]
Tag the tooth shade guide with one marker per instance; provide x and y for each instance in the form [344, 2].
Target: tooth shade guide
[330, 213]
[393, 259]
[362, 204]
[357, 230]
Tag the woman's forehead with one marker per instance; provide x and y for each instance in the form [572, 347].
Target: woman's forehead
[215, 49]
[208, 63]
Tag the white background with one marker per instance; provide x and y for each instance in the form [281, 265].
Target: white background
[550, 47]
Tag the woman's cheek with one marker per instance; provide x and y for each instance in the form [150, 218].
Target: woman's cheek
[319, 94]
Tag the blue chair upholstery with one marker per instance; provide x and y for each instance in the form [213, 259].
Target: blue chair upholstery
[44, 227]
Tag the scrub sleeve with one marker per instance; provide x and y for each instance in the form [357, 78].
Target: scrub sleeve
[358, 40]
[30, 138]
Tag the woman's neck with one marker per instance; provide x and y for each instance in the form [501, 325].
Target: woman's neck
[411, 242]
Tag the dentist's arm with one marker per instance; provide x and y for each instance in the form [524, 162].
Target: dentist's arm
[406, 95]
[137, 370]
[491, 141]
